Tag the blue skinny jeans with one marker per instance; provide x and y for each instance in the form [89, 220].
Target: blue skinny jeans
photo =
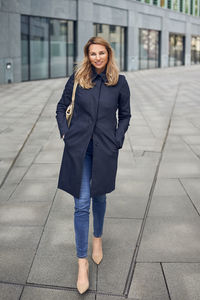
[82, 208]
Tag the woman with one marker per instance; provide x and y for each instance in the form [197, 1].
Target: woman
[92, 141]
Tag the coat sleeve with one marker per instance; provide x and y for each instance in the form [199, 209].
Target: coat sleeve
[62, 106]
[124, 111]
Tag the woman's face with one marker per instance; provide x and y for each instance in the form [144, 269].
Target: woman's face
[98, 56]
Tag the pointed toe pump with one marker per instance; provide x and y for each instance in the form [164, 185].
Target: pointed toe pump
[83, 283]
[97, 253]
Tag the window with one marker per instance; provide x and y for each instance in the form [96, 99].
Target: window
[116, 36]
[47, 47]
[176, 50]
[195, 50]
[149, 49]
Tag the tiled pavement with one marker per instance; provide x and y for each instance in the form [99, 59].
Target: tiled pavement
[151, 236]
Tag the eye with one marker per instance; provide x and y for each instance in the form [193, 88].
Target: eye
[93, 54]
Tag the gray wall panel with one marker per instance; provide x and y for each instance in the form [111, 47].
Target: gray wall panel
[63, 9]
[14, 35]
[195, 29]
[150, 22]
[4, 34]
[177, 26]
[10, 5]
[110, 15]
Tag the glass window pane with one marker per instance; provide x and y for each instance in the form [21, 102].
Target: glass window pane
[70, 47]
[143, 46]
[171, 50]
[193, 50]
[115, 42]
[39, 48]
[58, 46]
[152, 49]
[122, 51]
[179, 50]
[24, 47]
[198, 49]
[115, 35]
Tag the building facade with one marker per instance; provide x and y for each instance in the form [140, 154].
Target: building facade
[44, 39]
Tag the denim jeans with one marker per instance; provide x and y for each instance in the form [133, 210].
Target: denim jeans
[82, 208]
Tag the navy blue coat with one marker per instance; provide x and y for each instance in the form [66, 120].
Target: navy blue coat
[95, 116]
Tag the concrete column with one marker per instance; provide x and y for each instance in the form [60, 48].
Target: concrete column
[10, 52]
[133, 41]
[84, 25]
[164, 43]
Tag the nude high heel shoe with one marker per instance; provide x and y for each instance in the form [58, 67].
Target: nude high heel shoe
[97, 253]
[82, 282]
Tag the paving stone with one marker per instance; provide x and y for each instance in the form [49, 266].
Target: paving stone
[112, 297]
[10, 292]
[171, 206]
[25, 213]
[189, 168]
[119, 242]
[35, 190]
[56, 262]
[35, 293]
[183, 280]
[131, 188]
[6, 191]
[148, 282]
[192, 139]
[16, 174]
[168, 187]
[196, 149]
[192, 186]
[17, 248]
[43, 171]
[25, 159]
[126, 207]
[137, 173]
[50, 156]
[165, 239]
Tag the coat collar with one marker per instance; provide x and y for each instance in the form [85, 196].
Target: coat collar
[102, 74]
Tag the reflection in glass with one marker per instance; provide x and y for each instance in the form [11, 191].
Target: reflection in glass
[58, 48]
[195, 50]
[24, 47]
[115, 35]
[70, 47]
[176, 50]
[149, 49]
[39, 48]
[143, 46]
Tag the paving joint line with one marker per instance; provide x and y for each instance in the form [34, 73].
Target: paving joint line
[189, 146]
[26, 139]
[41, 234]
[60, 288]
[138, 242]
[165, 280]
[195, 208]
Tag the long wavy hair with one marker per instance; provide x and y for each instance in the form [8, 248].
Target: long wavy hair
[83, 71]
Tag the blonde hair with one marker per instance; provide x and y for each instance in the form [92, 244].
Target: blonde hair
[83, 71]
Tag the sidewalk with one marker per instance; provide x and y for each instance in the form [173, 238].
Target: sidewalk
[151, 236]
